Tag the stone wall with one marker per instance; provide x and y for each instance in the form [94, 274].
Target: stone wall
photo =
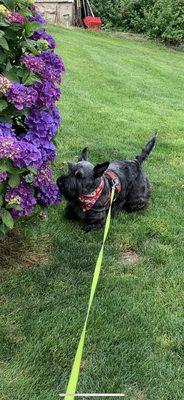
[55, 11]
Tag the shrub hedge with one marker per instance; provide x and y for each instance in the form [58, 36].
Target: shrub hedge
[162, 19]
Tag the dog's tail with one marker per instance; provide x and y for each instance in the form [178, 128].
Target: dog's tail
[147, 150]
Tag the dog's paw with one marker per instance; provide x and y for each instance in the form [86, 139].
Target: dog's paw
[88, 228]
[91, 227]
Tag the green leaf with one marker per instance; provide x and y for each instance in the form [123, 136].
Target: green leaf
[10, 4]
[10, 34]
[25, 12]
[30, 45]
[12, 111]
[6, 165]
[5, 118]
[1, 34]
[3, 231]
[4, 23]
[2, 188]
[22, 72]
[2, 56]
[8, 65]
[31, 79]
[33, 170]
[12, 74]
[14, 180]
[30, 27]
[1, 200]
[7, 218]
[15, 207]
[3, 104]
[4, 43]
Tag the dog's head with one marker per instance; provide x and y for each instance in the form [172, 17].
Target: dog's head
[82, 177]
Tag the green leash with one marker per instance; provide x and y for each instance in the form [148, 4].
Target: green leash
[72, 384]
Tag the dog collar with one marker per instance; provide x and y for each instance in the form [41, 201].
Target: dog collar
[88, 200]
[114, 180]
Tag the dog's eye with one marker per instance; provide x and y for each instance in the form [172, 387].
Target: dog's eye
[79, 173]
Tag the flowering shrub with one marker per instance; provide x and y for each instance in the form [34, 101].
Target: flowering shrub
[29, 119]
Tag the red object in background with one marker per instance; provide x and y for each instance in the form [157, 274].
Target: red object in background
[93, 22]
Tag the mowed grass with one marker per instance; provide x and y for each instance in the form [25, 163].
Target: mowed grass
[116, 92]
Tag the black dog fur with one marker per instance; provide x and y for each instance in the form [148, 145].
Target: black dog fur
[83, 178]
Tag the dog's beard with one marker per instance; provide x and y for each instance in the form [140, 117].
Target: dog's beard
[70, 187]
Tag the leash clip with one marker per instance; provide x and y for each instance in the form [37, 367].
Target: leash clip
[115, 183]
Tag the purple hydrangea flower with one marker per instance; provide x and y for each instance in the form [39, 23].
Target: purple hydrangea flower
[21, 96]
[33, 63]
[48, 195]
[37, 18]
[41, 34]
[43, 177]
[48, 64]
[6, 130]
[3, 176]
[47, 93]
[56, 116]
[54, 66]
[44, 145]
[48, 150]
[29, 155]
[21, 195]
[16, 17]
[9, 147]
[42, 123]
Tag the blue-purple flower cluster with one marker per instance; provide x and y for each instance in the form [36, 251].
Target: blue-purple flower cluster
[42, 123]
[21, 96]
[48, 65]
[43, 177]
[21, 196]
[48, 93]
[48, 195]
[6, 130]
[42, 34]
[36, 16]
[26, 142]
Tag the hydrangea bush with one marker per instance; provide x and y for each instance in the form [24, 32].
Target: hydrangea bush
[29, 119]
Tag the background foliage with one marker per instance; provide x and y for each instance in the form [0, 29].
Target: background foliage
[158, 18]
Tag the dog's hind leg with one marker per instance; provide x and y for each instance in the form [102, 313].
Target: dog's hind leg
[139, 195]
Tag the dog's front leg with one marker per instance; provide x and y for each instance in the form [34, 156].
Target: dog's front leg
[94, 220]
[70, 211]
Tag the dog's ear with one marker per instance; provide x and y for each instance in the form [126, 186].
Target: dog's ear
[99, 169]
[71, 167]
[84, 155]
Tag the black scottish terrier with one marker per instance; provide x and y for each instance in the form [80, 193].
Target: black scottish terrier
[87, 188]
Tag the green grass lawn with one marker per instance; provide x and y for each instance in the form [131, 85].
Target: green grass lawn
[116, 92]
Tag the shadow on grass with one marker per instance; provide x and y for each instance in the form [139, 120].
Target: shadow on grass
[20, 248]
